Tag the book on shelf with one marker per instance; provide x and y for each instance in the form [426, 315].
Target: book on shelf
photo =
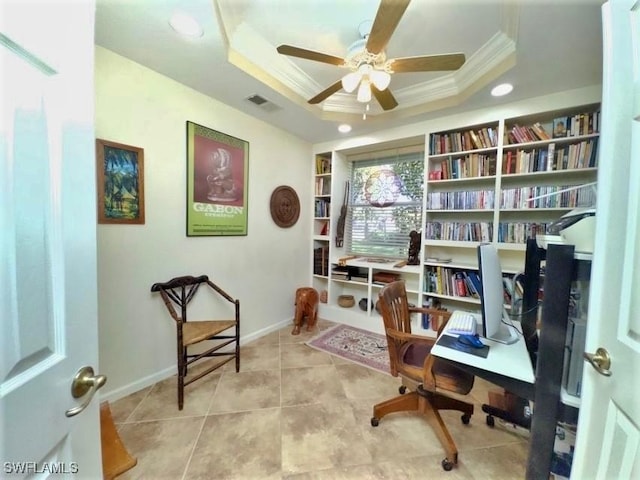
[438, 259]
[574, 125]
[460, 285]
[559, 127]
[435, 175]
[321, 261]
[358, 279]
[323, 165]
[476, 285]
[323, 186]
[385, 277]
[475, 139]
[540, 131]
[322, 207]
[551, 149]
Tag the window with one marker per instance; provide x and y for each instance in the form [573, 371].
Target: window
[385, 204]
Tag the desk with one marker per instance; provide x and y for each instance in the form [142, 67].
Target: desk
[508, 366]
[512, 373]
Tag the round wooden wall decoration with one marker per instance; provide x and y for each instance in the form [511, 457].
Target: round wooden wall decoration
[285, 206]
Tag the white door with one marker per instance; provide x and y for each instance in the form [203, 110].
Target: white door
[48, 286]
[608, 435]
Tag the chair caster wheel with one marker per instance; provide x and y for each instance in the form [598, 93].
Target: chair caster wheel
[374, 422]
[402, 389]
[491, 421]
[465, 419]
[447, 465]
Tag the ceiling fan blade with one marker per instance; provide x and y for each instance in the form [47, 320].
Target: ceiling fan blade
[326, 93]
[309, 55]
[385, 98]
[429, 63]
[387, 18]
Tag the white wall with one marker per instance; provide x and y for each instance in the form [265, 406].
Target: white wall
[137, 106]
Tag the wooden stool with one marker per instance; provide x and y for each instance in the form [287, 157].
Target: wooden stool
[115, 458]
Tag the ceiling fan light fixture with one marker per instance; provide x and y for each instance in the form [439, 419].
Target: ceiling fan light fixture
[380, 79]
[350, 81]
[364, 91]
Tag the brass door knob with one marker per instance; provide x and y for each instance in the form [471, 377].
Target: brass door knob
[600, 360]
[84, 383]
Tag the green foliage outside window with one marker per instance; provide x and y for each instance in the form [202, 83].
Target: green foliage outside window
[385, 205]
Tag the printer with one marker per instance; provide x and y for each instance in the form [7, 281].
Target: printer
[577, 227]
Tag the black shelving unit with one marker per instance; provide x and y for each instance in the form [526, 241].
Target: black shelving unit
[547, 352]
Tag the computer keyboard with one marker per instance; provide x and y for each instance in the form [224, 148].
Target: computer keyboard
[461, 323]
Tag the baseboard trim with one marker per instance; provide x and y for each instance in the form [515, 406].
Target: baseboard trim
[121, 392]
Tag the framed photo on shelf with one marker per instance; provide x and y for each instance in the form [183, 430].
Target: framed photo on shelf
[120, 182]
[217, 183]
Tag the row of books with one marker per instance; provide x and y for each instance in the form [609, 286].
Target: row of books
[321, 261]
[519, 198]
[339, 273]
[575, 156]
[519, 232]
[462, 141]
[323, 186]
[353, 274]
[323, 165]
[574, 125]
[461, 200]
[322, 207]
[459, 231]
[452, 282]
[470, 166]
[524, 134]
[487, 137]
[565, 126]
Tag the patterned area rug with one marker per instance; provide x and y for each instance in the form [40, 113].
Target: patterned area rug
[360, 346]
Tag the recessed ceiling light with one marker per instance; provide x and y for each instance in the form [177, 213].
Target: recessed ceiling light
[344, 128]
[501, 89]
[185, 25]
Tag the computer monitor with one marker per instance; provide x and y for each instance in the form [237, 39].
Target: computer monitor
[496, 324]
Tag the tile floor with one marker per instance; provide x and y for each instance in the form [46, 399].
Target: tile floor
[293, 412]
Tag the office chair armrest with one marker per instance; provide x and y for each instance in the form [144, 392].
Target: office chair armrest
[428, 380]
[403, 337]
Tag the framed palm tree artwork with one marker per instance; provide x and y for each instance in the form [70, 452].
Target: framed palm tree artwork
[120, 183]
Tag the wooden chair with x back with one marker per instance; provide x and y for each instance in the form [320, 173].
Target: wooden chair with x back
[220, 332]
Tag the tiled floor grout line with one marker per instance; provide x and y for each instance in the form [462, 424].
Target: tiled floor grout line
[193, 449]
[289, 347]
[139, 403]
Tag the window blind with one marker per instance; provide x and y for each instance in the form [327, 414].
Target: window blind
[385, 204]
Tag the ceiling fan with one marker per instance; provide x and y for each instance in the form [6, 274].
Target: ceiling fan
[370, 70]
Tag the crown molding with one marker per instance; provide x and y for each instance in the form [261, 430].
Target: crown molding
[251, 52]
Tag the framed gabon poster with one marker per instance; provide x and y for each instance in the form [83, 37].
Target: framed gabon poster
[217, 183]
